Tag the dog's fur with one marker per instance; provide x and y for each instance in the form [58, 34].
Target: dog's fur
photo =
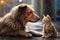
[13, 23]
[48, 28]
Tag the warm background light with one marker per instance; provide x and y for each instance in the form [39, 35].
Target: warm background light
[2, 1]
[20, 0]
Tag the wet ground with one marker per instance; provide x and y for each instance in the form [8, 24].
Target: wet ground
[23, 38]
[37, 25]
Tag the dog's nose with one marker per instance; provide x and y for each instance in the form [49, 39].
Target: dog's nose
[38, 19]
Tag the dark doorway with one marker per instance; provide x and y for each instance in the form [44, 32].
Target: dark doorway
[48, 7]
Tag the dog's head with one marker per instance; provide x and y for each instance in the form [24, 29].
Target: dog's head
[46, 19]
[28, 13]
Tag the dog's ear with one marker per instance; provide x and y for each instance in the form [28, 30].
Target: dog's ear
[22, 8]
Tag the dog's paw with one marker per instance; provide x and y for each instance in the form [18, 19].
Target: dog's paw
[28, 35]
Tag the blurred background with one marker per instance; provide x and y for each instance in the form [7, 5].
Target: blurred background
[42, 7]
[51, 7]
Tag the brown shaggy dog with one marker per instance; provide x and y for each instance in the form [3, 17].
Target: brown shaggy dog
[48, 28]
[13, 23]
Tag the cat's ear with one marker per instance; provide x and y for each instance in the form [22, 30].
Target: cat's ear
[43, 15]
[48, 16]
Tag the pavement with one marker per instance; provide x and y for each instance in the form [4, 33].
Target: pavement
[23, 38]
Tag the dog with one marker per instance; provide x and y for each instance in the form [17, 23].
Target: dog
[13, 23]
[48, 28]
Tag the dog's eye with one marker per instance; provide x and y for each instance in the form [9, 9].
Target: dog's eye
[30, 11]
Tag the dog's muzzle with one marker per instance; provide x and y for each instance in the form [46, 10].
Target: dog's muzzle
[38, 19]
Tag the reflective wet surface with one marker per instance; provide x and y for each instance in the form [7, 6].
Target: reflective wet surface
[23, 38]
